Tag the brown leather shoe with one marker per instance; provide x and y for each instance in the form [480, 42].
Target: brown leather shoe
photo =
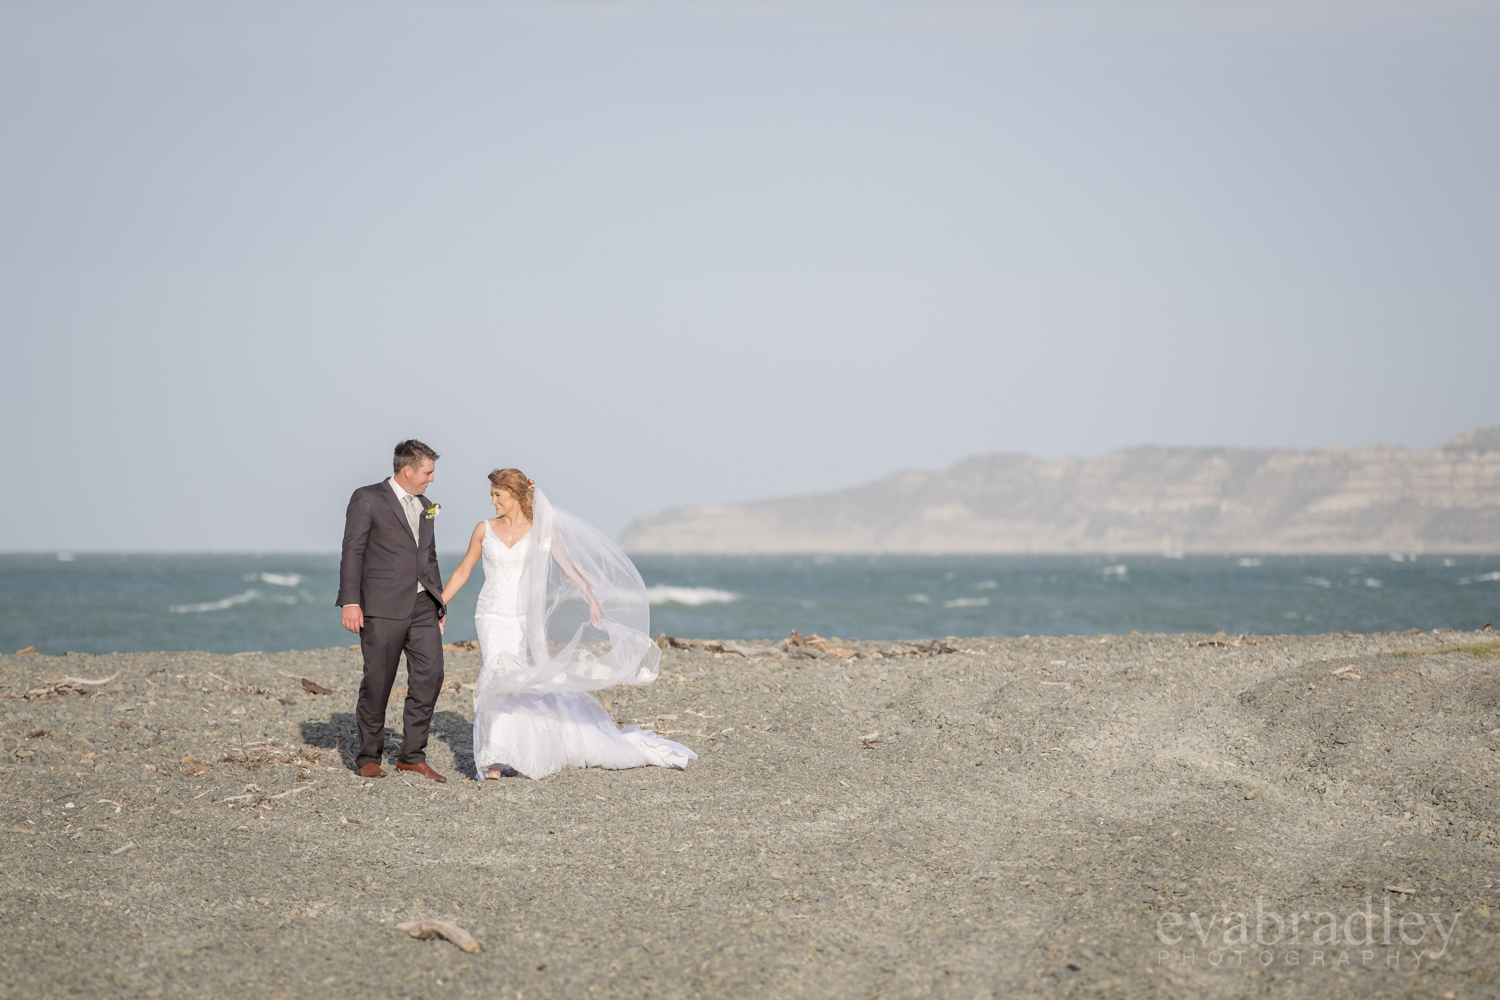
[421, 769]
[371, 770]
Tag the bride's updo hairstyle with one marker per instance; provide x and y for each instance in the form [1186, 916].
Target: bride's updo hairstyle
[514, 482]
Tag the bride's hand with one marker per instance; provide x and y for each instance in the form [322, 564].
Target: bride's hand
[595, 615]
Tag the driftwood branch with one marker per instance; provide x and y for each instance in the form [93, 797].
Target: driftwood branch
[85, 680]
[66, 684]
[428, 930]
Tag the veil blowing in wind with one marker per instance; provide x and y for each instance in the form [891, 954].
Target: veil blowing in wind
[563, 613]
[584, 614]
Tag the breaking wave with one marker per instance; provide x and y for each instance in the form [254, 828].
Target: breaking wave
[692, 596]
[228, 602]
[1482, 578]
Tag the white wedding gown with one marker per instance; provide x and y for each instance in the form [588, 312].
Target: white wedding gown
[540, 734]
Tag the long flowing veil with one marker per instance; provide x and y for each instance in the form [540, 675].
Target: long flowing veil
[570, 566]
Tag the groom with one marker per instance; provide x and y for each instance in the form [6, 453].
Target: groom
[392, 595]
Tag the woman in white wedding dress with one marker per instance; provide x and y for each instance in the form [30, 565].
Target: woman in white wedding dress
[562, 613]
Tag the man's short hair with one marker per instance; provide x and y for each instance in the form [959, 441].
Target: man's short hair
[411, 453]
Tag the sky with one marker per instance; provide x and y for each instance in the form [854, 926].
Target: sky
[658, 254]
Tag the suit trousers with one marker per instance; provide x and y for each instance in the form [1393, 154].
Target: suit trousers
[382, 641]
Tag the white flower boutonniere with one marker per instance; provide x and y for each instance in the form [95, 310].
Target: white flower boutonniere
[433, 511]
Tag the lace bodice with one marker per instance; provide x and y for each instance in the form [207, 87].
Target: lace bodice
[502, 574]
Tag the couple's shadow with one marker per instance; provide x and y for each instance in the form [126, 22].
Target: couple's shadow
[341, 734]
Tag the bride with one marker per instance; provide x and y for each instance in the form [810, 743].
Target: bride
[563, 613]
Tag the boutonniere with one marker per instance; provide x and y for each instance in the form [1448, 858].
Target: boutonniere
[433, 511]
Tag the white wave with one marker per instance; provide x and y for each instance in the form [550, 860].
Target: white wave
[691, 596]
[1118, 570]
[1484, 578]
[919, 598]
[65, 557]
[987, 585]
[1249, 562]
[228, 602]
[1370, 581]
[967, 602]
[281, 579]
[1399, 557]
[1318, 581]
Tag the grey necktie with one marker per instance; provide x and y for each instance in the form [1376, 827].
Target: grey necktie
[412, 508]
[410, 503]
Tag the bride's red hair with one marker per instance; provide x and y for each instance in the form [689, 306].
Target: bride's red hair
[514, 482]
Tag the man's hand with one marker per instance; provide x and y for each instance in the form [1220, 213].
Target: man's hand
[354, 618]
[442, 624]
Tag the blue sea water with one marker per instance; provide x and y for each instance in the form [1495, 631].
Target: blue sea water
[233, 603]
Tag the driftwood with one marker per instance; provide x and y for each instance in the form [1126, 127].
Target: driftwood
[84, 681]
[427, 930]
[933, 647]
[1224, 642]
[308, 684]
[665, 641]
[78, 684]
[816, 641]
[808, 647]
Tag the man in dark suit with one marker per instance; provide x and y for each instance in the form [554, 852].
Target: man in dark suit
[392, 595]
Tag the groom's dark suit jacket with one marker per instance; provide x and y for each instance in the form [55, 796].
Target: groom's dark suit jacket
[382, 565]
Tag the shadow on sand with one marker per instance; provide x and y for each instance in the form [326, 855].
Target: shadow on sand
[448, 727]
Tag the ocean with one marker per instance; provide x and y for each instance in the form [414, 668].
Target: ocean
[228, 603]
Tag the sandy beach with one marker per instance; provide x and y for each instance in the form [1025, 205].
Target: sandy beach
[1079, 816]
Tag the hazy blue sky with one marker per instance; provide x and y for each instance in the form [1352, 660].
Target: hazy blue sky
[657, 254]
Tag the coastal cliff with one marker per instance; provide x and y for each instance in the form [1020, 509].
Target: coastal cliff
[1146, 499]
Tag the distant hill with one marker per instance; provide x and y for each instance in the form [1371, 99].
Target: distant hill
[1148, 499]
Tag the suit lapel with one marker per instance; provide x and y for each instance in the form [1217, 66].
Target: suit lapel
[390, 496]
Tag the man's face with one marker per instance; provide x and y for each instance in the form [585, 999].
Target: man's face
[416, 480]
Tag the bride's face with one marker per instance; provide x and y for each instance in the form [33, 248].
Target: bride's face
[505, 504]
